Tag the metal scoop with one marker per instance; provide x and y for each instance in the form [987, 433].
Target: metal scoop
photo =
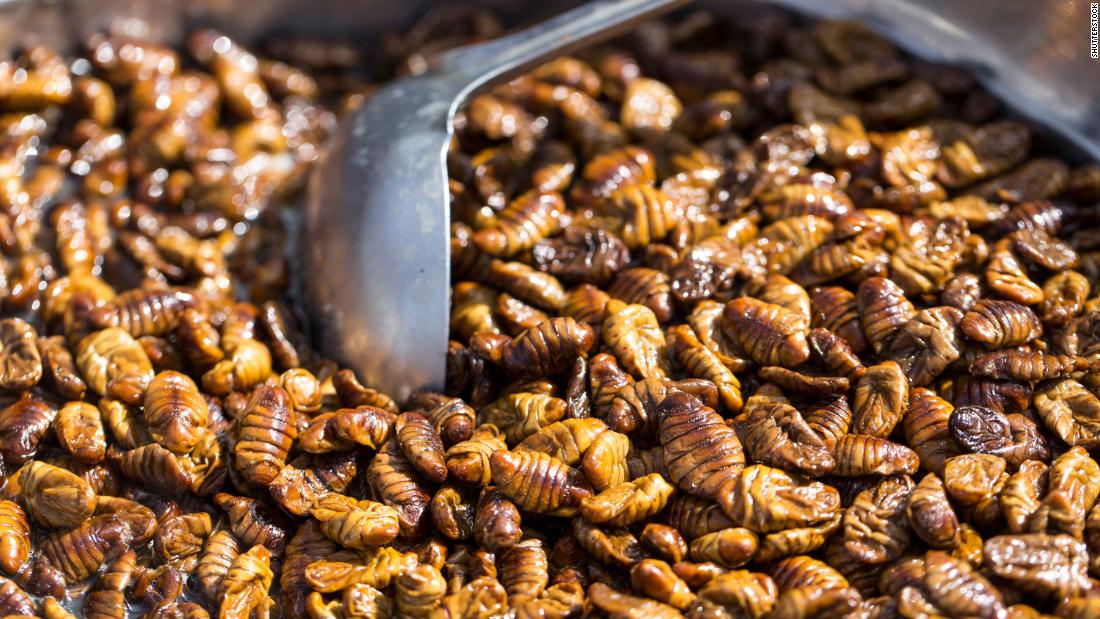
[376, 263]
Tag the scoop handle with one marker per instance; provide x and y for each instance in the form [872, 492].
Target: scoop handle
[473, 67]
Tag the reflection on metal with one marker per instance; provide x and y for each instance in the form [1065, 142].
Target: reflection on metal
[377, 235]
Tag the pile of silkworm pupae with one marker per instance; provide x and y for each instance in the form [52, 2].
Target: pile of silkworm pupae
[760, 319]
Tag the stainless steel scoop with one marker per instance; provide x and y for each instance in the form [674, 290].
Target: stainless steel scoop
[376, 245]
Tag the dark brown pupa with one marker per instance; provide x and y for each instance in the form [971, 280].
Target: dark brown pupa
[547, 349]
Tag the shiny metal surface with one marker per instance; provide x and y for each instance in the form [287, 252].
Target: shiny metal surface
[1035, 55]
[377, 224]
